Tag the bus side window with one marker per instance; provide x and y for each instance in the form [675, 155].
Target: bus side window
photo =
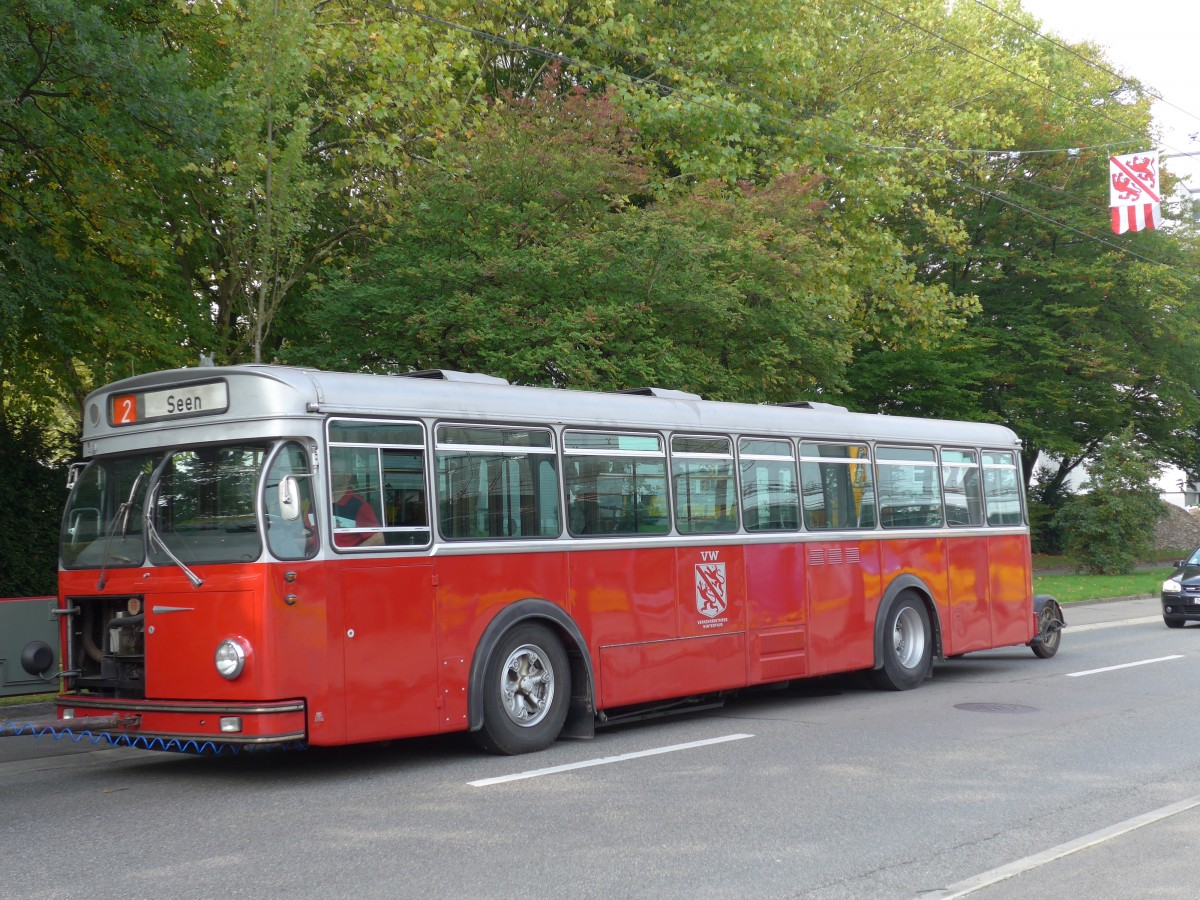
[377, 484]
[1001, 488]
[496, 482]
[960, 481]
[770, 494]
[837, 488]
[702, 476]
[405, 515]
[615, 483]
[909, 489]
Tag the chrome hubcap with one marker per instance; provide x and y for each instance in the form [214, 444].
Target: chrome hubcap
[527, 685]
[909, 638]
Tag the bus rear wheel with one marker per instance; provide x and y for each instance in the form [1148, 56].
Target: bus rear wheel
[1049, 633]
[907, 645]
[527, 688]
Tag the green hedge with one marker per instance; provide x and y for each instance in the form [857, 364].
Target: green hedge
[35, 491]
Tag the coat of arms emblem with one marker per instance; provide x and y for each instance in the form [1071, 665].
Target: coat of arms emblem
[712, 596]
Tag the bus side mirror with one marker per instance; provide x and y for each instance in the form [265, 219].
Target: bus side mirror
[289, 499]
[73, 474]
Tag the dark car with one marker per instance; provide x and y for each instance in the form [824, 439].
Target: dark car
[1181, 593]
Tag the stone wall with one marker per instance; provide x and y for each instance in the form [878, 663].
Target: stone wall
[1178, 530]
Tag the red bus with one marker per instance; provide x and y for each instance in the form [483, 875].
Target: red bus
[269, 556]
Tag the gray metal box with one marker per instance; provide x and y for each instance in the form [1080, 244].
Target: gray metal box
[22, 620]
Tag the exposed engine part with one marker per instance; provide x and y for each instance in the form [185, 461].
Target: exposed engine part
[108, 647]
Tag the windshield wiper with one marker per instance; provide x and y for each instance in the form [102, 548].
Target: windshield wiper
[122, 517]
[156, 538]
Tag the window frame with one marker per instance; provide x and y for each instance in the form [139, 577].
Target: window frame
[1015, 467]
[502, 450]
[378, 447]
[608, 452]
[979, 499]
[933, 462]
[700, 455]
[793, 458]
[847, 461]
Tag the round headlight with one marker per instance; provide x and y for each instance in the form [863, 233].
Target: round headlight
[1170, 586]
[230, 659]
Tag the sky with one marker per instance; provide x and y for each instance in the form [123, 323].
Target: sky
[1158, 41]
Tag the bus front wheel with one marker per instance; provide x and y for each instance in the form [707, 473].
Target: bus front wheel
[907, 645]
[527, 688]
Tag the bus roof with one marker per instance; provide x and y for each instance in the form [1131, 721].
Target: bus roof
[275, 392]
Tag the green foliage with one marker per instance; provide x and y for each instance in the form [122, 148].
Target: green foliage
[535, 263]
[596, 192]
[1110, 528]
[1047, 496]
[97, 115]
[327, 106]
[266, 187]
[34, 496]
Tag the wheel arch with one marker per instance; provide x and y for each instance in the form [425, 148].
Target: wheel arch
[1041, 601]
[898, 586]
[581, 712]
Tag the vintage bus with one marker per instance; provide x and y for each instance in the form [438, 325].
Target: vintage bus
[264, 556]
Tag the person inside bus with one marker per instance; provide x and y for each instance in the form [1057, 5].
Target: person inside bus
[351, 510]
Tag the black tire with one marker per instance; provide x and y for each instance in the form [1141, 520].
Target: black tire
[526, 692]
[907, 645]
[1173, 623]
[1049, 633]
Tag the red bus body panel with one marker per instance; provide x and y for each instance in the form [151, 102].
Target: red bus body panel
[373, 648]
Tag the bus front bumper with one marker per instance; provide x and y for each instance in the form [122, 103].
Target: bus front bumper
[182, 726]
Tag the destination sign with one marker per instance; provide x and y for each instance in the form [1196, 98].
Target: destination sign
[171, 403]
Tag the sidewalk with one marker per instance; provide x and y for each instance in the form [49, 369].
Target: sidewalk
[1112, 609]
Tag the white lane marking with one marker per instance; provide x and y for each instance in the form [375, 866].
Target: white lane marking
[1140, 662]
[1096, 626]
[987, 879]
[603, 761]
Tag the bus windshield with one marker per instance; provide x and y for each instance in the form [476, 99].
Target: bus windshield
[202, 504]
[103, 522]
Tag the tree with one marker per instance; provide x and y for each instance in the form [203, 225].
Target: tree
[545, 262]
[97, 116]
[1079, 334]
[265, 188]
[1110, 528]
[328, 106]
[35, 483]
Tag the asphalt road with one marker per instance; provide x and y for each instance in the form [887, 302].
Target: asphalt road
[1002, 776]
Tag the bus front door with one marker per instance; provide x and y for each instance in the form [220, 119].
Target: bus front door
[391, 686]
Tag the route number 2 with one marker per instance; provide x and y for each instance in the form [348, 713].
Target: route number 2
[125, 409]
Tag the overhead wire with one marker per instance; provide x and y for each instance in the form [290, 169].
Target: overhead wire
[936, 35]
[609, 72]
[1005, 200]
[1135, 83]
[891, 148]
[1122, 79]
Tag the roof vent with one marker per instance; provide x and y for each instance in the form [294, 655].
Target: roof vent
[451, 375]
[664, 393]
[812, 404]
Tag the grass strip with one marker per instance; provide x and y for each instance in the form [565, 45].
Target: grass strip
[1076, 588]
